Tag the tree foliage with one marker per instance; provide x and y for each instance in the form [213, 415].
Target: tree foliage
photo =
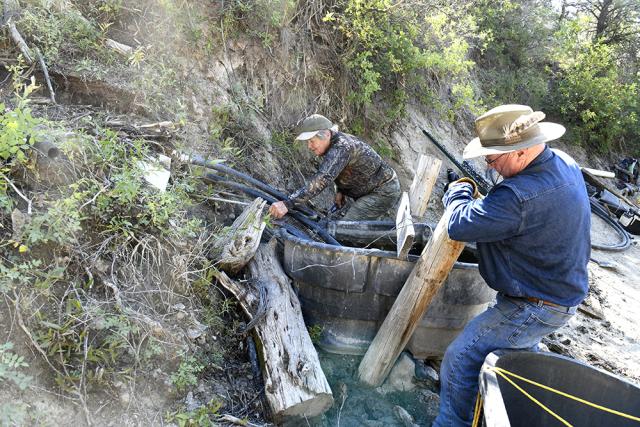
[394, 51]
[578, 64]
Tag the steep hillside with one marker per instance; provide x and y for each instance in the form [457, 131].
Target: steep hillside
[109, 303]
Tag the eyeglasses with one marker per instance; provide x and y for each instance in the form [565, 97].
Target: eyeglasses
[490, 162]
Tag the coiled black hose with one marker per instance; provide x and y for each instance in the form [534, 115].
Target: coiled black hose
[257, 193]
[600, 211]
[201, 161]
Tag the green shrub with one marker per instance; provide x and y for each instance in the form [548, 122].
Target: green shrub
[200, 417]
[60, 36]
[187, 373]
[18, 128]
[11, 366]
[393, 51]
[515, 51]
[591, 97]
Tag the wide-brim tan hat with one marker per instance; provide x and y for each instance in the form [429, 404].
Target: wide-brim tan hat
[510, 128]
[312, 125]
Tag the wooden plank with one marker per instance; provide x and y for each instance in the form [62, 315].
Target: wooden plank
[405, 232]
[295, 385]
[423, 283]
[599, 172]
[591, 179]
[423, 182]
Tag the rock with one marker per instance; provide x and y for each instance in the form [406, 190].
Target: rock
[18, 221]
[432, 403]
[196, 331]
[125, 398]
[543, 348]
[373, 408]
[592, 307]
[401, 376]
[404, 417]
[191, 403]
[427, 374]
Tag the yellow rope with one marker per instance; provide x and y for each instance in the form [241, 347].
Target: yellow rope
[562, 420]
[477, 410]
[503, 373]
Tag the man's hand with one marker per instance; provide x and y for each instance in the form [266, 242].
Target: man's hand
[339, 200]
[466, 180]
[451, 177]
[278, 210]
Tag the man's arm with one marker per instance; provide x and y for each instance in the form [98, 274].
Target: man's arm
[496, 217]
[332, 164]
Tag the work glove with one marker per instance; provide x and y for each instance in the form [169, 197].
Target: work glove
[464, 179]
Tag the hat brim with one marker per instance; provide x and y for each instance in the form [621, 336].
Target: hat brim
[307, 135]
[548, 132]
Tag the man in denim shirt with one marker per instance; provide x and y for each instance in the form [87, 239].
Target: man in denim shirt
[532, 233]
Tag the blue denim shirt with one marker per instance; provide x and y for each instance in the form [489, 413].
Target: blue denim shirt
[532, 230]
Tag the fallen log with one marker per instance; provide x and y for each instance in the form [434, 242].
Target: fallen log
[421, 286]
[295, 385]
[235, 246]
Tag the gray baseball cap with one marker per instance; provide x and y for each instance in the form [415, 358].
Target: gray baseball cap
[312, 125]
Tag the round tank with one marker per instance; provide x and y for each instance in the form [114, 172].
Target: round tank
[347, 292]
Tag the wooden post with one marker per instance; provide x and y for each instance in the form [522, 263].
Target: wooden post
[425, 280]
[405, 232]
[422, 185]
[295, 385]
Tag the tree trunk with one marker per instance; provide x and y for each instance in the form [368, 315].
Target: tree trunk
[233, 249]
[295, 385]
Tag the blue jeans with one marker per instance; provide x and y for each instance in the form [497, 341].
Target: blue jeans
[512, 323]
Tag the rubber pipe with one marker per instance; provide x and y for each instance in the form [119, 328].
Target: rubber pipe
[257, 193]
[47, 148]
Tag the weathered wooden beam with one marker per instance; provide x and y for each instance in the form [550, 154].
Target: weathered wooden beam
[295, 385]
[423, 183]
[591, 179]
[405, 232]
[423, 283]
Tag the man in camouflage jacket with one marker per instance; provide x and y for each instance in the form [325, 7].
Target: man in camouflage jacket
[357, 170]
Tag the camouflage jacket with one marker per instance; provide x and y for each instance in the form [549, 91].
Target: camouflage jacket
[356, 169]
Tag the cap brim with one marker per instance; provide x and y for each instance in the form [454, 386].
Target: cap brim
[307, 135]
[548, 132]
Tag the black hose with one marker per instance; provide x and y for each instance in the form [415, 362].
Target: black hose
[257, 193]
[291, 229]
[600, 211]
[201, 161]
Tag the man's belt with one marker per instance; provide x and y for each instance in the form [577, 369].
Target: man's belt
[538, 301]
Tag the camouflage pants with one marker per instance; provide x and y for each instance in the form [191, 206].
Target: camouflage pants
[377, 204]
